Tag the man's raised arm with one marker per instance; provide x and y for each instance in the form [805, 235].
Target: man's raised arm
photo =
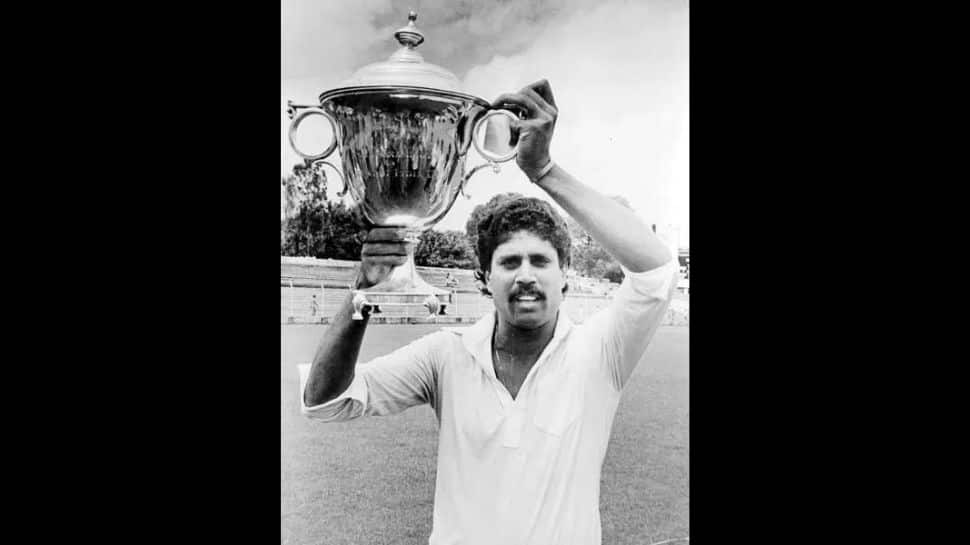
[333, 365]
[617, 228]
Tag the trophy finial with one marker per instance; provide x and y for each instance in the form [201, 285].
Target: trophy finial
[410, 36]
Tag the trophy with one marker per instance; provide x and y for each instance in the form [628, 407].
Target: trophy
[403, 128]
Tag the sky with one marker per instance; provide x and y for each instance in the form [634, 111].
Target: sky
[619, 71]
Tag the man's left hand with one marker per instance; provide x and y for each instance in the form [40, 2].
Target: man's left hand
[536, 125]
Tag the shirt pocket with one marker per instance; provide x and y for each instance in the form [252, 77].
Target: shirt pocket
[559, 403]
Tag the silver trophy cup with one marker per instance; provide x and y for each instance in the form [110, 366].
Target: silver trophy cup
[403, 130]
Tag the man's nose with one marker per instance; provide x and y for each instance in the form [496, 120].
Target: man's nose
[525, 276]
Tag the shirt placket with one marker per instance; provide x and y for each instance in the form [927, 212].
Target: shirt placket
[516, 410]
[514, 422]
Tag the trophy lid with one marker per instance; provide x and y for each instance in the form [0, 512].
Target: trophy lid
[405, 67]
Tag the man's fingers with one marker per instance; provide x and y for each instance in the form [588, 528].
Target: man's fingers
[549, 109]
[507, 101]
[544, 90]
[385, 234]
[518, 102]
[386, 261]
[384, 248]
[529, 100]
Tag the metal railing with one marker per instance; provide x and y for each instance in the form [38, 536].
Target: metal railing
[312, 301]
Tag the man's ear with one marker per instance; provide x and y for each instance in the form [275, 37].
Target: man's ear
[482, 278]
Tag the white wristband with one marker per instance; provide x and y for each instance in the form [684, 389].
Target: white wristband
[545, 170]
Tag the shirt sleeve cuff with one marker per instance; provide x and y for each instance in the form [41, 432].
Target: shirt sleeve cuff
[356, 391]
[657, 283]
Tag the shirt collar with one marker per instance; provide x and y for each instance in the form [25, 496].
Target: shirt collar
[477, 338]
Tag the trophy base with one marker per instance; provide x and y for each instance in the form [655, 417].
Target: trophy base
[435, 300]
[403, 288]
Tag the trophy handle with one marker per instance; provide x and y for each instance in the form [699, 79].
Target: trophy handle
[317, 165]
[492, 159]
[298, 113]
[489, 156]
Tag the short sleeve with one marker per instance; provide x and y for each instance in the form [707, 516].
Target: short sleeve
[348, 405]
[385, 385]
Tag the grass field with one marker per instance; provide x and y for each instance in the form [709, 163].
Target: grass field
[372, 481]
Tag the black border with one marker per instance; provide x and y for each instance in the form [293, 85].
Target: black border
[174, 401]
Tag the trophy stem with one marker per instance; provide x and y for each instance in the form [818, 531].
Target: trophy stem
[403, 287]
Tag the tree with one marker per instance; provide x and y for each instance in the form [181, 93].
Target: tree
[315, 227]
[327, 230]
[292, 195]
[444, 249]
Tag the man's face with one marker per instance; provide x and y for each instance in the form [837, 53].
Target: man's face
[526, 280]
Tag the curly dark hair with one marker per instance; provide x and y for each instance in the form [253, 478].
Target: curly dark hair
[520, 214]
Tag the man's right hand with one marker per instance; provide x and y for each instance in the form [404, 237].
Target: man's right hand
[384, 249]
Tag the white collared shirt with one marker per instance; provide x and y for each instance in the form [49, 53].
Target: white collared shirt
[523, 471]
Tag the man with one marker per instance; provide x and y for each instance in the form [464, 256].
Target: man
[450, 281]
[314, 307]
[524, 399]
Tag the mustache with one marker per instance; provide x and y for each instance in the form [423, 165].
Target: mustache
[534, 292]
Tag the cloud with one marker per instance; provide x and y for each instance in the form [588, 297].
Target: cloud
[620, 76]
[321, 37]
[461, 34]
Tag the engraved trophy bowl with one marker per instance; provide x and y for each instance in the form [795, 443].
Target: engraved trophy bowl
[403, 129]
